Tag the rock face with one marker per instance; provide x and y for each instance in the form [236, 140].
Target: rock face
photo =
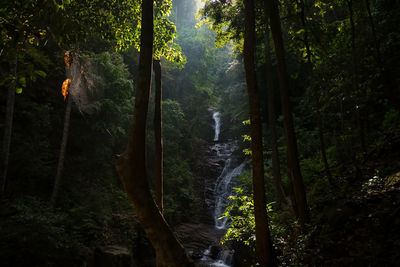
[197, 237]
[212, 158]
[198, 234]
[112, 256]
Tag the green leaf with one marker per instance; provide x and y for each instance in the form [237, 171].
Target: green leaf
[41, 73]
[18, 90]
[22, 81]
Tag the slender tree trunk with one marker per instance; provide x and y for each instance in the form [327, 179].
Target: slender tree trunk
[353, 37]
[131, 165]
[264, 249]
[68, 59]
[63, 147]
[374, 35]
[292, 196]
[8, 123]
[387, 80]
[359, 121]
[303, 23]
[322, 147]
[291, 143]
[272, 121]
[309, 68]
[321, 138]
[158, 141]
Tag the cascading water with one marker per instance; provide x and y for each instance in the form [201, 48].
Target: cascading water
[217, 125]
[216, 256]
[223, 190]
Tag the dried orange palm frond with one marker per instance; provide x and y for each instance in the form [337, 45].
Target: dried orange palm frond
[65, 87]
[68, 58]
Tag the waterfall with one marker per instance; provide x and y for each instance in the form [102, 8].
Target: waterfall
[216, 255]
[217, 121]
[223, 190]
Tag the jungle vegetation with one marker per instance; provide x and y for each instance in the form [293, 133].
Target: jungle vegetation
[105, 109]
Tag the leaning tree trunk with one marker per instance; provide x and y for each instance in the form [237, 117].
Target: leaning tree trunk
[272, 121]
[131, 165]
[63, 147]
[158, 141]
[264, 249]
[291, 143]
[8, 123]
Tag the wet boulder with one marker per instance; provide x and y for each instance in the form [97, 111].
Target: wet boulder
[112, 256]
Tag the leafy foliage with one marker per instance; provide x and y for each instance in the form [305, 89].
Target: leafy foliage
[178, 175]
[347, 80]
[226, 18]
[53, 236]
[241, 215]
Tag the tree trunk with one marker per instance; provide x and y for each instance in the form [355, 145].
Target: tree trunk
[322, 147]
[291, 144]
[63, 147]
[359, 121]
[264, 249]
[8, 123]
[131, 165]
[303, 23]
[309, 69]
[158, 141]
[374, 35]
[272, 121]
[386, 76]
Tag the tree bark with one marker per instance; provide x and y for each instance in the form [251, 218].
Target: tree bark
[374, 35]
[386, 77]
[303, 23]
[309, 69]
[322, 147]
[8, 123]
[131, 165]
[291, 143]
[272, 120]
[158, 140]
[63, 147]
[359, 121]
[264, 249]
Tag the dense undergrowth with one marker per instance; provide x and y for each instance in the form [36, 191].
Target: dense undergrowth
[354, 220]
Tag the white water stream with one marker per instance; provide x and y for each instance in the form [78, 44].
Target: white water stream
[222, 191]
[217, 126]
